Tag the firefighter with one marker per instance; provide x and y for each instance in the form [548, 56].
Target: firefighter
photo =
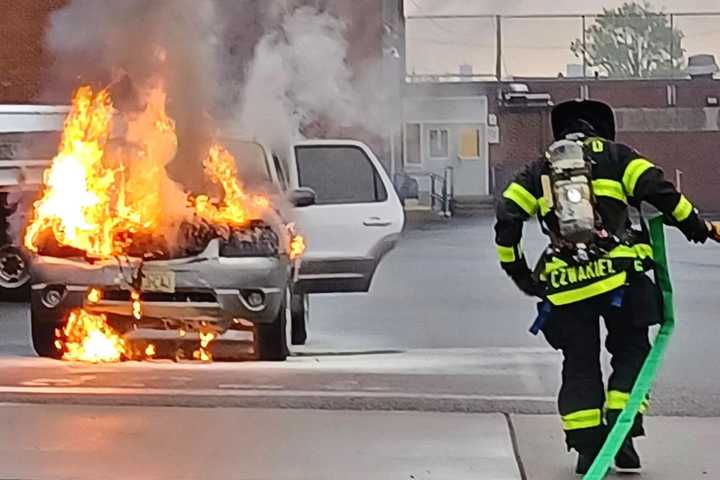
[595, 265]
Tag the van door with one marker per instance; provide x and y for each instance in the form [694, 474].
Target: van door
[356, 220]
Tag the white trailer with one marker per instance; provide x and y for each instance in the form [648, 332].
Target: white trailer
[28, 137]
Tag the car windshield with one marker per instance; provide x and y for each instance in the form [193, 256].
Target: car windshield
[251, 161]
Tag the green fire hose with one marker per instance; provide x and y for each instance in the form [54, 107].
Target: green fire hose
[649, 370]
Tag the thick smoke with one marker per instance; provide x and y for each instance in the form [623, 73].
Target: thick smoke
[299, 81]
[133, 42]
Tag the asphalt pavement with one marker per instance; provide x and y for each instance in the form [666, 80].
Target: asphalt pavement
[442, 331]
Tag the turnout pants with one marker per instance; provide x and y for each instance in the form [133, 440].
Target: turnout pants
[587, 411]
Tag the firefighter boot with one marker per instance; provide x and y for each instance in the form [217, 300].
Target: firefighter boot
[586, 457]
[584, 462]
[627, 459]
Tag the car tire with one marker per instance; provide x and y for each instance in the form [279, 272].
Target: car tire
[271, 341]
[43, 336]
[299, 315]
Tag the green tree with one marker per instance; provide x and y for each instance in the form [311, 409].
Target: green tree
[632, 41]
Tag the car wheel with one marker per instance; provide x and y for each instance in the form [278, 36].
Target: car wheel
[43, 335]
[14, 274]
[299, 315]
[271, 342]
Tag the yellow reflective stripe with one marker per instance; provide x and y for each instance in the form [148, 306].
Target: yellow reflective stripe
[603, 187]
[622, 251]
[544, 207]
[639, 250]
[524, 199]
[633, 172]
[506, 254]
[616, 400]
[582, 419]
[588, 291]
[683, 209]
[644, 251]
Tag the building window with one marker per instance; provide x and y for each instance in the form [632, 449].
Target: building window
[413, 155]
[469, 143]
[438, 139]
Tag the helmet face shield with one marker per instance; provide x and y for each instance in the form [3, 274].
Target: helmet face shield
[597, 114]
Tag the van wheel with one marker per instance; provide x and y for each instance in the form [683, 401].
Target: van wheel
[271, 341]
[299, 314]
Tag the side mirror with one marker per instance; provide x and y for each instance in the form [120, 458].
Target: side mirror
[302, 197]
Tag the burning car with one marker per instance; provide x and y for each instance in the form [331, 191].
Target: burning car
[118, 247]
[111, 259]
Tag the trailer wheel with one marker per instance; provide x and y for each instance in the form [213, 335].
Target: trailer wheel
[14, 273]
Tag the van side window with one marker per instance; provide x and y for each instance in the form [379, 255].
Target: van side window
[339, 174]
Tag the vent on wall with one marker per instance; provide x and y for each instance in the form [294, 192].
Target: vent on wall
[702, 66]
[518, 95]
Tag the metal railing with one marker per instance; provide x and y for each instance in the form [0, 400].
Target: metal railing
[500, 47]
[441, 190]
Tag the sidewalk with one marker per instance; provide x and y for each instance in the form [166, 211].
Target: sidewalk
[675, 449]
[62, 442]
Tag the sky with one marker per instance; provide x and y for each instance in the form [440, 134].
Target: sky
[531, 47]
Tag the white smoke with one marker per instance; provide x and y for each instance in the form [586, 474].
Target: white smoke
[299, 77]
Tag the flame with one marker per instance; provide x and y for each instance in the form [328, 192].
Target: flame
[94, 295]
[297, 246]
[136, 305]
[203, 353]
[95, 199]
[150, 350]
[88, 338]
[76, 197]
[237, 207]
[100, 196]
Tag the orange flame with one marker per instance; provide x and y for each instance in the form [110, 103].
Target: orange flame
[98, 196]
[76, 198]
[237, 207]
[203, 353]
[297, 246]
[88, 203]
[89, 338]
[150, 350]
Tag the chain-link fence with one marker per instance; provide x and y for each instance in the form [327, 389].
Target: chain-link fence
[647, 45]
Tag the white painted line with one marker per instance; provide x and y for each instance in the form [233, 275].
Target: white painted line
[263, 393]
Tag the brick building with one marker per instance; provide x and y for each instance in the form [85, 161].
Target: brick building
[24, 61]
[676, 123]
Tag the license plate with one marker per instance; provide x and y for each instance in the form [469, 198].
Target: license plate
[158, 281]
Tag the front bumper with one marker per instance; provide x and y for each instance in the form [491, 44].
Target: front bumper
[207, 293]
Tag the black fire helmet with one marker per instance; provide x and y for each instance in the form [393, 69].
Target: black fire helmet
[567, 115]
